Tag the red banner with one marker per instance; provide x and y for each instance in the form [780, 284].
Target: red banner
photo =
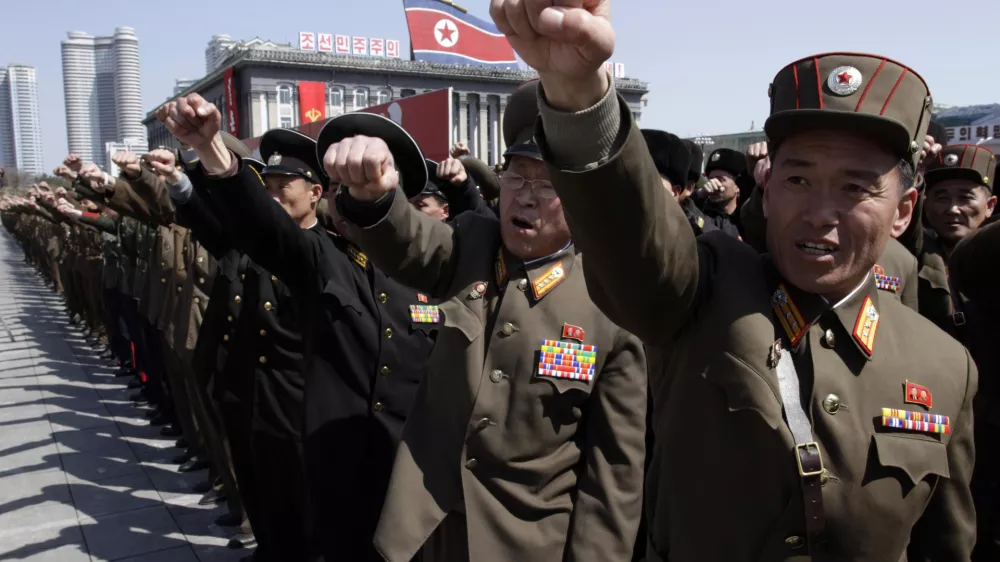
[312, 101]
[232, 100]
[426, 117]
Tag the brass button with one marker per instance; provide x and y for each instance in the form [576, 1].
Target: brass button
[268, 306]
[522, 284]
[179, 289]
[471, 463]
[237, 299]
[273, 278]
[383, 298]
[377, 407]
[230, 317]
[484, 423]
[243, 276]
[795, 541]
[263, 360]
[496, 375]
[201, 280]
[388, 333]
[197, 300]
[201, 259]
[163, 264]
[385, 370]
[830, 338]
[225, 337]
[831, 404]
[263, 333]
[507, 329]
[163, 279]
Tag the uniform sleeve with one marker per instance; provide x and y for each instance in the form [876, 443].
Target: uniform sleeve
[609, 501]
[262, 229]
[465, 197]
[195, 215]
[410, 247]
[910, 296]
[126, 200]
[947, 529]
[642, 263]
[153, 190]
[975, 264]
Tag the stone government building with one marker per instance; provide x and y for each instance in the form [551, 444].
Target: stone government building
[266, 79]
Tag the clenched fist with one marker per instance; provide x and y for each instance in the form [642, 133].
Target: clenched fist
[98, 179]
[460, 149]
[452, 170]
[163, 162]
[192, 120]
[128, 163]
[64, 172]
[364, 164]
[566, 43]
[73, 162]
[929, 151]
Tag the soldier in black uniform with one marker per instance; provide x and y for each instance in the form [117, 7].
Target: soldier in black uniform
[364, 350]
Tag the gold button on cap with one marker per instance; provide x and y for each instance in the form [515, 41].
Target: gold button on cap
[388, 332]
[830, 338]
[496, 375]
[471, 463]
[795, 541]
[507, 329]
[831, 404]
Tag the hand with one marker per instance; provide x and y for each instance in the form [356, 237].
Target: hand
[164, 164]
[452, 170]
[760, 171]
[460, 149]
[364, 164]
[99, 180]
[73, 162]
[929, 151]
[755, 153]
[192, 120]
[714, 189]
[128, 163]
[61, 191]
[566, 44]
[64, 172]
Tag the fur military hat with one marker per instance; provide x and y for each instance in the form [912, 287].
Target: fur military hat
[728, 160]
[962, 162]
[671, 157]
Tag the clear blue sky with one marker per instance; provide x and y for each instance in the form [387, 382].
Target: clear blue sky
[708, 63]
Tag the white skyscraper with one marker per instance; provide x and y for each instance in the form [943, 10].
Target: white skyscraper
[103, 93]
[20, 133]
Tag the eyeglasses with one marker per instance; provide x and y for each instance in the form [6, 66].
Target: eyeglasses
[540, 188]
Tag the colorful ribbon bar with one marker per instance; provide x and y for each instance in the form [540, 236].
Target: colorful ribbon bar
[568, 345]
[425, 314]
[911, 425]
[542, 372]
[915, 416]
[557, 357]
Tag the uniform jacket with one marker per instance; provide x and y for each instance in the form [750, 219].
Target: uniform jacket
[724, 484]
[544, 468]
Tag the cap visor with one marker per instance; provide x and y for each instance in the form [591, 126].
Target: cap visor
[932, 177]
[887, 132]
[528, 150]
[405, 151]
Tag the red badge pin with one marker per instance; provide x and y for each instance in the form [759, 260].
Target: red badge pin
[422, 297]
[918, 394]
[571, 332]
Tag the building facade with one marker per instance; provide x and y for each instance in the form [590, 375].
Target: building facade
[266, 81]
[20, 132]
[102, 89]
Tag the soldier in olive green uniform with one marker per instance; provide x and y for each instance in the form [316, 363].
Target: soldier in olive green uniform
[800, 412]
[527, 438]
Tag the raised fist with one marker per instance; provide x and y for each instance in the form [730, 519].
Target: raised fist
[61, 191]
[192, 120]
[64, 172]
[364, 164]
[128, 163]
[73, 162]
[929, 151]
[452, 170]
[99, 180]
[460, 149]
[163, 162]
[567, 44]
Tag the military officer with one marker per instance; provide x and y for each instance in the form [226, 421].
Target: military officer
[832, 423]
[527, 439]
[365, 352]
[726, 171]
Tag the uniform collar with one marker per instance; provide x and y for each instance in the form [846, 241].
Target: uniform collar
[543, 275]
[796, 310]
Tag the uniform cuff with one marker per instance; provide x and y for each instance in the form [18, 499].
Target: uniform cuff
[581, 140]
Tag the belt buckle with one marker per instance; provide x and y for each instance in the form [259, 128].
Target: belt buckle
[804, 448]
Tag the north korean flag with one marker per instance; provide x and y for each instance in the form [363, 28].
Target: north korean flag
[440, 32]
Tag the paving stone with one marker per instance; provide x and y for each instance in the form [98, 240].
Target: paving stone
[114, 495]
[131, 534]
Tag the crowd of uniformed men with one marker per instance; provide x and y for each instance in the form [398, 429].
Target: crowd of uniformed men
[599, 352]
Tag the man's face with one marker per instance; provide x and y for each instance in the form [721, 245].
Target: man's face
[832, 201]
[532, 226]
[956, 208]
[431, 206]
[728, 182]
[296, 195]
